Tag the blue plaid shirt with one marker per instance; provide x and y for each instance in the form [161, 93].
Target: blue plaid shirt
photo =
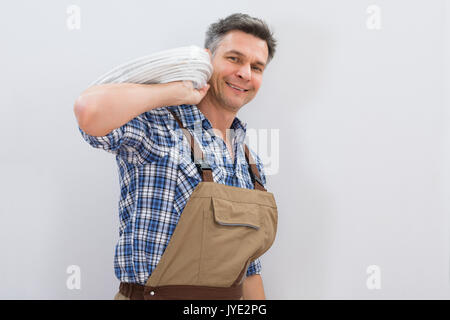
[157, 177]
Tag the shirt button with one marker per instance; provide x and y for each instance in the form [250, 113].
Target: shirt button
[152, 293]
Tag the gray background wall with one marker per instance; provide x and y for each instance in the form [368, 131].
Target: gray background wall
[363, 119]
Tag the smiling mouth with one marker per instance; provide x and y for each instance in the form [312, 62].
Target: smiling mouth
[236, 88]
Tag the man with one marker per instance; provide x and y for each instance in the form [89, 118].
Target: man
[133, 122]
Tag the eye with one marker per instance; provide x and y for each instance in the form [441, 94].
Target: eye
[259, 69]
[235, 59]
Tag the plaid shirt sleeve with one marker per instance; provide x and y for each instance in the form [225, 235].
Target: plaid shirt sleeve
[255, 266]
[139, 141]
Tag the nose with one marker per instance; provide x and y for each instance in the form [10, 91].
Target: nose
[244, 72]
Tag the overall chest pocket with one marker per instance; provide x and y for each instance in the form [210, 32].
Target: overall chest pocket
[234, 233]
[228, 213]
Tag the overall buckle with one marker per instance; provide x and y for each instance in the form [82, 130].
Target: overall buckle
[258, 180]
[202, 165]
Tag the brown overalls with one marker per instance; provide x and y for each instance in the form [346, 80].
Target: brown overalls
[220, 231]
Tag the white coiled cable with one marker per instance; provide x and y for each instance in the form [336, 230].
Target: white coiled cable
[190, 63]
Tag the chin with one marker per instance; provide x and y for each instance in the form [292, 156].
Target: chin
[233, 106]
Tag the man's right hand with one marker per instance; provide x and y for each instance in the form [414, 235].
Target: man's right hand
[190, 95]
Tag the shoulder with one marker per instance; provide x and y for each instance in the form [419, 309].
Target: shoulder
[161, 118]
[163, 115]
[158, 116]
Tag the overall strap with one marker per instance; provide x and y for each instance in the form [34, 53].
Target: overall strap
[196, 153]
[253, 169]
[204, 168]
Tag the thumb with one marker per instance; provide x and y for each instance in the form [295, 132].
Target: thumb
[205, 87]
[203, 91]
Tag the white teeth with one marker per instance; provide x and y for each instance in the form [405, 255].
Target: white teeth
[236, 88]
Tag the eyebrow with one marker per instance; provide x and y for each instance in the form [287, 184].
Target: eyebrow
[241, 54]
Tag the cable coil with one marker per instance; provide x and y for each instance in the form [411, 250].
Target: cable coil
[190, 63]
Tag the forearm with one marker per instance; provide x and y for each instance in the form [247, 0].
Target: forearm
[253, 288]
[102, 108]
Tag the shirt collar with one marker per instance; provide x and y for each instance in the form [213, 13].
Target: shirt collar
[239, 124]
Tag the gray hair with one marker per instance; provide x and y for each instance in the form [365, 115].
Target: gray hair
[243, 22]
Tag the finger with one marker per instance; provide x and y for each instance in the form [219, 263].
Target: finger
[205, 88]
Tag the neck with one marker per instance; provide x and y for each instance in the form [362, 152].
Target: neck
[220, 117]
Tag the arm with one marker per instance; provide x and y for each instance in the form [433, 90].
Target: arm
[103, 108]
[253, 288]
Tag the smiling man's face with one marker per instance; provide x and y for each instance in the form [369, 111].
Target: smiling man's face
[239, 62]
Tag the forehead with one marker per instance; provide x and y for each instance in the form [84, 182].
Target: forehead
[248, 45]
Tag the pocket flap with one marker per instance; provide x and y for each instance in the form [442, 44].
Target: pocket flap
[232, 213]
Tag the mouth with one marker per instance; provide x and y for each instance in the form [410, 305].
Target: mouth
[236, 88]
